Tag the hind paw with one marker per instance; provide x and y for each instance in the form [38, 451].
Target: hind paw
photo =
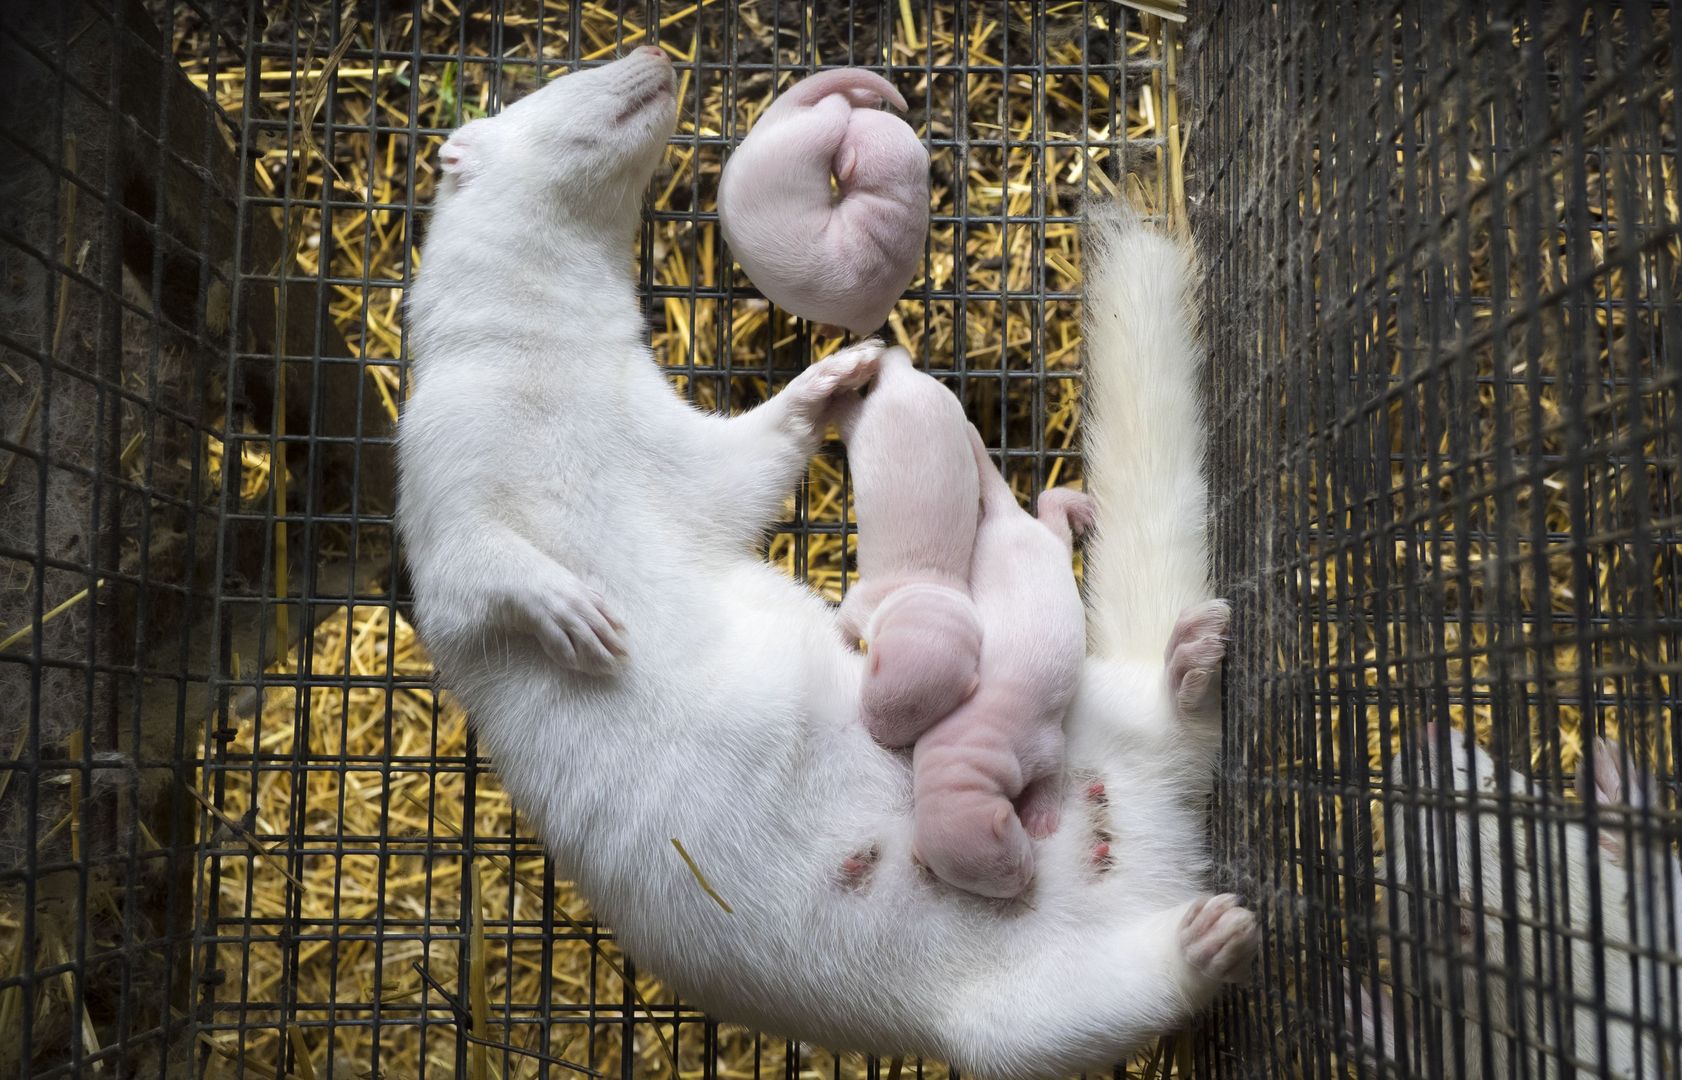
[1195, 651]
[1041, 807]
[1219, 937]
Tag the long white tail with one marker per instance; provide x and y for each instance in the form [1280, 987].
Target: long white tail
[1144, 435]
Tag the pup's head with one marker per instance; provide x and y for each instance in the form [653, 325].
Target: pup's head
[585, 143]
[925, 648]
[976, 843]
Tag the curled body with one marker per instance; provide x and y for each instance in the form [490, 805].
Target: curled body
[916, 496]
[542, 444]
[826, 202]
[989, 777]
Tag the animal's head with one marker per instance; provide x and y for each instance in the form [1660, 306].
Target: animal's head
[1476, 852]
[1441, 777]
[584, 145]
[976, 844]
[925, 646]
[1442, 834]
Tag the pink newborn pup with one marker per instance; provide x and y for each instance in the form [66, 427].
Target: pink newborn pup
[846, 260]
[989, 776]
[916, 494]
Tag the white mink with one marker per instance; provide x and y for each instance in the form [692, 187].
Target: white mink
[1551, 871]
[541, 434]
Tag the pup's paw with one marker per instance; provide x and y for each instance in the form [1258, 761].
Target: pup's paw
[1374, 1017]
[1041, 807]
[1219, 937]
[1064, 508]
[571, 621]
[1195, 651]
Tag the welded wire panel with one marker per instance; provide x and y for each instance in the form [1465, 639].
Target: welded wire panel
[116, 232]
[397, 893]
[1442, 249]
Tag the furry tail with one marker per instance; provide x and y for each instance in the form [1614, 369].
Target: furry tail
[863, 89]
[1144, 435]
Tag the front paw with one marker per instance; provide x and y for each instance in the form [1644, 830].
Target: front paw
[571, 621]
[814, 391]
[1219, 937]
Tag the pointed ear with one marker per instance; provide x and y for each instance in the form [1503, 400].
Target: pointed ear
[1606, 786]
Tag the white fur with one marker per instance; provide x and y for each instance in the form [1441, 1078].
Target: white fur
[1144, 437]
[542, 435]
[1552, 881]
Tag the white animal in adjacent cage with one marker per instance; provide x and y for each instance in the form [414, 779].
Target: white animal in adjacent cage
[554, 488]
[1527, 904]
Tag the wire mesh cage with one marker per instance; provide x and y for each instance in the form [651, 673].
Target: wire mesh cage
[246, 834]
[1442, 267]
[242, 831]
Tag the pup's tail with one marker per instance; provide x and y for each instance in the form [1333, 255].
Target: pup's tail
[1144, 435]
[864, 89]
[996, 496]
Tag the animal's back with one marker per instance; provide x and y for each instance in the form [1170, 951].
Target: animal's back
[915, 489]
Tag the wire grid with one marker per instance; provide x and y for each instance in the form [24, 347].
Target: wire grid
[395, 882]
[112, 308]
[1442, 256]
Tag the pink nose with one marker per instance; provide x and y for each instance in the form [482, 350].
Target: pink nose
[653, 50]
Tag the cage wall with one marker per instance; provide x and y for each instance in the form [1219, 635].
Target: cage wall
[119, 214]
[253, 836]
[1441, 243]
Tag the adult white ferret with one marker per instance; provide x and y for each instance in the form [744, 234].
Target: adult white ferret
[551, 478]
[1605, 886]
